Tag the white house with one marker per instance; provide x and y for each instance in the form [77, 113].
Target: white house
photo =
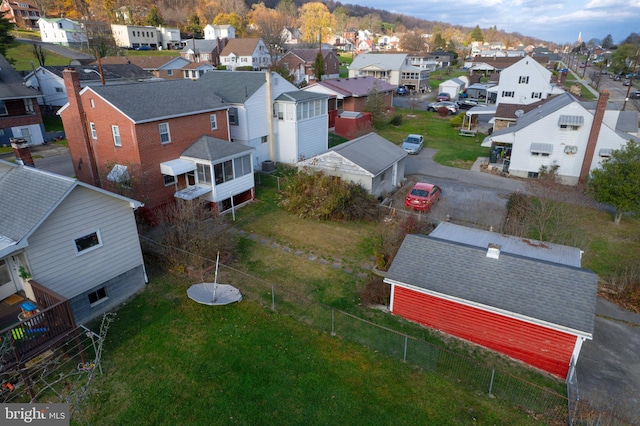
[524, 82]
[394, 68]
[576, 137]
[135, 36]
[76, 240]
[254, 119]
[300, 126]
[370, 161]
[245, 52]
[169, 38]
[212, 32]
[62, 31]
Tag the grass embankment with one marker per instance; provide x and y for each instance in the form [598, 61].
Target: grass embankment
[169, 360]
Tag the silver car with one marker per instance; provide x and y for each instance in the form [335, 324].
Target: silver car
[413, 144]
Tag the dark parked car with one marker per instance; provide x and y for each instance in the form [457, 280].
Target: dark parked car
[443, 97]
[422, 196]
[627, 83]
[467, 103]
[401, 91]
[143, 48]
[635, 95]
[617, 78]
[451, 106]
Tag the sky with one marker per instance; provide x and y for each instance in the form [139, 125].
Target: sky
[559, 21]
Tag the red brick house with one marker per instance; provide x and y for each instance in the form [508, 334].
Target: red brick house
[21, 13]
[527, 299]
[20, 116]
[300, 62]
[121, 136]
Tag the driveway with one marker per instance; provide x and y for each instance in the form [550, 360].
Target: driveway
[608, 369]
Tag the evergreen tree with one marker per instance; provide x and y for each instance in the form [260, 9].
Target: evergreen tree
[607, 42]
[318, 67]
[476, 34]
[5, 36]
[154, 18]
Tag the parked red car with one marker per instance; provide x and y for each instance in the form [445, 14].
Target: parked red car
[443, 97]
[422, 196]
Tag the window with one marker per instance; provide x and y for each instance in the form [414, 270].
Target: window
[214, 121]
[523, 80]
[569, 127]
[264, 139]
[233, 116]
[94, 133]
[165, 137]
[169, 180]
[508, 94]
[223, 172]
[61, 90]
[541, 149]
[242, 166]
[3, 108]
[87, 243]
[533, 174]
[93, 104]
[116, 135]
[97, 296]
[536, 95]
[383, 176]
[204, 173]
[605, 152]
[169, 72]
[28, 106]
[570, 149]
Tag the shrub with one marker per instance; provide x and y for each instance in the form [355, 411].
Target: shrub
[443, 111]
[318, 196]
[396, 120]
[456, 121]
[375, 292]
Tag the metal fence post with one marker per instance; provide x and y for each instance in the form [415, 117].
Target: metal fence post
[493, 373]
[404, 356]
[273, 298]
[333, 322]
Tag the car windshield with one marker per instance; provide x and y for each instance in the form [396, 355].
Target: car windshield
[412, 140]
[420, 192]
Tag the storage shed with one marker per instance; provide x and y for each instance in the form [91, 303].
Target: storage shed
[527, 299]
[452, 87]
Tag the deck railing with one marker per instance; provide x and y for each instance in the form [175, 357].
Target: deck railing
[35, 334]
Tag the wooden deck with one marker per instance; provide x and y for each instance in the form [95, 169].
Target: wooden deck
[27, 338]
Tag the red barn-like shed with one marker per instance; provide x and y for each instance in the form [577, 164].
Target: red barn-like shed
[526, 299]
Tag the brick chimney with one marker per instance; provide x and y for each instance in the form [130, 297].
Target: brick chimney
[74, 118]
[593, 137]
[22, 152]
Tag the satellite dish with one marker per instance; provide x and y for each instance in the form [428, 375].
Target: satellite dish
[519, 113]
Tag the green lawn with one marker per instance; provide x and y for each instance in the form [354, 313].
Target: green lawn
[453, 150]
[23, 55]
[171, 361]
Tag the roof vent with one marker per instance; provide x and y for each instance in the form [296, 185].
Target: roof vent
[493, 251]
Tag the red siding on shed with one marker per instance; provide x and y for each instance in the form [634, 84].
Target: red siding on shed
[547, 349]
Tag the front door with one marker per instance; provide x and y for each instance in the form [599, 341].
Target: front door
[26, 134]
[7, 286]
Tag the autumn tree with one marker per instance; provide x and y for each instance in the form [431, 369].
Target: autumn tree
[288, 9]
[238, 22]
[617, 181]
[269, 25]
[316, 22]
[476, 34]
[412, 41]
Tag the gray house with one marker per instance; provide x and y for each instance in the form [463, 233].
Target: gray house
[370, 161]
[75, 241]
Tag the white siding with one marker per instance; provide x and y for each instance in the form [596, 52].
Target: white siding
[539, 81]
[51, 251]
[236, 186]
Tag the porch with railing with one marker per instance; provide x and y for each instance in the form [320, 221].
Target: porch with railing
[50, 323]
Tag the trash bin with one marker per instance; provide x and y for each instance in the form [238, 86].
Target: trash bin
[493, 155]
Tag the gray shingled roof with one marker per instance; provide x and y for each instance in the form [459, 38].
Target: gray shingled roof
[213, 149]
[550, 292]
[28, 196]
[233, 86]
[357, 86]
[150, 101]
[372, 152]
[387, 61]
[11, 83]
[111, 72]
[300, 96]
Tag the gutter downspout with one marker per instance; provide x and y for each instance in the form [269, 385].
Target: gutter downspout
[272, 144]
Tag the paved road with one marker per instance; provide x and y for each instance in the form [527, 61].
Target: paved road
[60, 50]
